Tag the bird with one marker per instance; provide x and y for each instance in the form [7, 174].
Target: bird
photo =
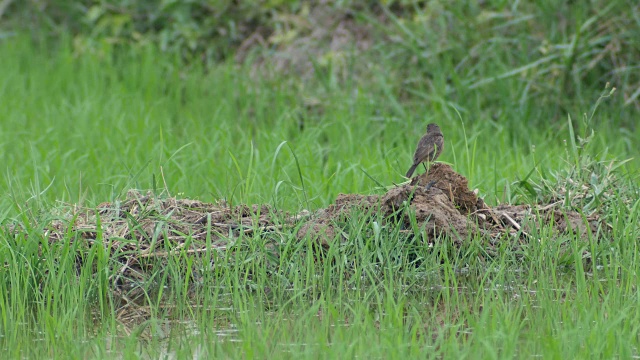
[429, 147]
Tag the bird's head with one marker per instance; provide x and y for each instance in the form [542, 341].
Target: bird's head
[433, 128]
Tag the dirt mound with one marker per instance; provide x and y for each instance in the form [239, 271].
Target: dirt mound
[444, 205]
[440, 198]
[152, 220]
[440, 201]
[145, 226]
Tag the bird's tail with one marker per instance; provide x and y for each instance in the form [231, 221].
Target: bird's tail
[411, 170]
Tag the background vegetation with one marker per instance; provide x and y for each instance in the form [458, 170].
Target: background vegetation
[291, 103]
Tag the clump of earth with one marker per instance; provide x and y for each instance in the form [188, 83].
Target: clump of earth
[145, 227]
[440, 200]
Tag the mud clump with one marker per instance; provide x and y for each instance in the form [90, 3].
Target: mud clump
[444, 206]
[440, 198]
[454, 185]
[146, 227]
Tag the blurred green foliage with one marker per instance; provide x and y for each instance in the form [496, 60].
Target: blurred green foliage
[560, 51]
[196, 29]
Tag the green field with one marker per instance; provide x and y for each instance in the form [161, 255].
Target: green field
[526, 106]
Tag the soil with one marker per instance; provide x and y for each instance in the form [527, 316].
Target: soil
[440, 201]
[147, 227]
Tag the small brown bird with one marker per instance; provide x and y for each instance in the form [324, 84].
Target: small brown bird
[429, 147]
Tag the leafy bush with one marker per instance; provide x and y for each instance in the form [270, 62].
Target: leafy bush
[196, 29]
[444, 49]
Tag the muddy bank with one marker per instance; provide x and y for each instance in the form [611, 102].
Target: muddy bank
[440, 201]
[144, 232]
[443, 204]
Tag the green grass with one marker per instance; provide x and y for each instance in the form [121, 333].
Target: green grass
[85, 129]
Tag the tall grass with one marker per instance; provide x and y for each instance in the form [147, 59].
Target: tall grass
[89, 128]
[85, 129]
